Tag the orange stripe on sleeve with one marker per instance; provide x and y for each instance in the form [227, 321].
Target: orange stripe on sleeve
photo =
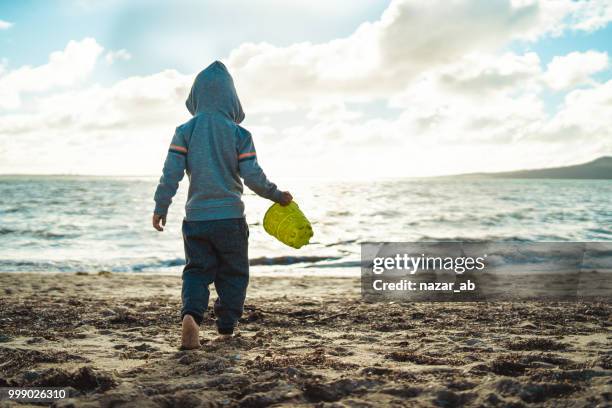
[244, 155]
[179, 148]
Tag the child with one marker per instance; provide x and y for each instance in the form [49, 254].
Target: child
[215, 152]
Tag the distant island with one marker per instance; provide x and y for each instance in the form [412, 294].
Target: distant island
[600, 168]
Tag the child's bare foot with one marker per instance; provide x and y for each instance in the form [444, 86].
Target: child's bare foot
[190, 339]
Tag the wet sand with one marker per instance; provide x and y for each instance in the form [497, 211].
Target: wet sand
[308, 341]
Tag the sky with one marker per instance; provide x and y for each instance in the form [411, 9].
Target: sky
[333, 90]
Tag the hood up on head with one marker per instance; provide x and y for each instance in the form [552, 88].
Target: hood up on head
[213, 91]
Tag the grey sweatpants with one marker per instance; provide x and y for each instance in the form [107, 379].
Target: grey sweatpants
[216, 252]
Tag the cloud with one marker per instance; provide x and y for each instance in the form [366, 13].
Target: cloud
[482, 112]
[124, 128]
[5, 25]
[113, 56]
[592, 15]
[485, 73]
[332, 111]
[444, 133]
[142, 102]
[387, 54]
[555, 17]
[394, 98]
[64, 68]
[575, 68]
[479, 98]
[586, 112]
[378, 57]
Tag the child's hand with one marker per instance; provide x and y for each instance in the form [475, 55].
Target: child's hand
[286, 198]
[157, 219]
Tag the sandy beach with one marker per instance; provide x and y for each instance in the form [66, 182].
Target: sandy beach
[308, 341]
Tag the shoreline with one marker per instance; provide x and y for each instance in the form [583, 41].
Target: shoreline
[303, 341]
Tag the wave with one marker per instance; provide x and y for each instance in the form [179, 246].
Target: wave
[345, 264]
[485, 239]
[10, 210]
[265, 261]
[160, 264]
[142, 265]
[290, 260]
[340, 243]
[40, 266]
[39, 233]
[602, 231]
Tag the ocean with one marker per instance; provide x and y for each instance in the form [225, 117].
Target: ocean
[73, 223]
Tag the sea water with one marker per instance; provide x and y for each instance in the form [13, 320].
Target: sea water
[69, 224]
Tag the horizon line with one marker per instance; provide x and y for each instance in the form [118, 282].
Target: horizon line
[608, 156]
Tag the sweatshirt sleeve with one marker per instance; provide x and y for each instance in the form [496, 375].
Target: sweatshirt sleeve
[249, 169]
[174, 170]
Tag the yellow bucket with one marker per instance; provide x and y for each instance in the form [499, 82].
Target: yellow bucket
[288, 224]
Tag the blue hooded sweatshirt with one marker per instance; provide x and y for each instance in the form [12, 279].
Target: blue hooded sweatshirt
[214, 151]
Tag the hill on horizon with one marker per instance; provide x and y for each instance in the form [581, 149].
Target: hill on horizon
[600, 168]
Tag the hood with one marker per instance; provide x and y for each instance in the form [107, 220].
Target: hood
[213, 91]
